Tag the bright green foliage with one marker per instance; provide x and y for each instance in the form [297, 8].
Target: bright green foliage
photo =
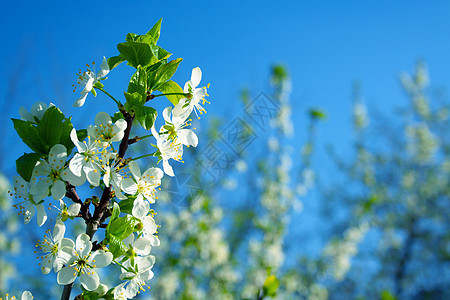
[270, 286]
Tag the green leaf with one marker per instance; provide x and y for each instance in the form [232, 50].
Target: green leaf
[131, 37]
[134, 101]
[164, 73]
[146, 116]
[25, 164]
[121, 227]
[159, 54]
[155, 31]
[29, 135]
[115, 61]
[117, 115]
[270, 286]
[126, 206]
[136, 53]
[115, 212]
[386, 295]
[116, 246]
[138, 82]
[317, 114]
[54, 128]
[171, 87]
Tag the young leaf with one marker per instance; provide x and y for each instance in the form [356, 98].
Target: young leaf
[121, 227]
[25, 164]
[270, 286]
[171, 87]
[146, 116]
[115, 61]
[134, 100]
[116, 246]
[164, 73]
[136, 53]
[138, 82]
[155, 31]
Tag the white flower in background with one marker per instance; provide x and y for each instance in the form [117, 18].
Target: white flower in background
[87, 160]
[105, 131]
[136, 280]
[112, 177]
[144, 185]
[68, 212]
[87, 79]
[31, 203]
[82, 263]
[175, 129]
[53, 174]
[196, 95]
[167, 150]
[51, 249]
[37, 112]
[25, 296]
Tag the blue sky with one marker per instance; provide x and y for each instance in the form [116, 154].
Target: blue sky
[326, 45]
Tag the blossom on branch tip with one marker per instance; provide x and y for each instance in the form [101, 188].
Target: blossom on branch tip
[87, 79]
[192, 102]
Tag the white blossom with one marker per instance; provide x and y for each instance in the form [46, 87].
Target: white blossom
[50, 248]
[82, 263]
[105, 131]
[87, 79]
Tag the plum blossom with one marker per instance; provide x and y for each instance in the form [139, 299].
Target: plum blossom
[105, 131]
[144, 185]
[136, 279]
[51, 249]
[31, 203]
[167, 149]
[87, 161]
[53, 175]
[192, 102]
[175, 127]
[82, 263]
[88, 79]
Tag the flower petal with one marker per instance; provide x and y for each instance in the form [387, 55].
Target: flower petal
[74, 209]
[41, 215]
[57, 156]
[134, 168]
[101, 258]
[187, 137]
[83, 244]
[167, 168]
[196, 77]
[58, 190]
[58, 231]
[66, 275]
[140, 207]
[89, 279]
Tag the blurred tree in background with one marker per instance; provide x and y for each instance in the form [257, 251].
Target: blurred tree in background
[226, 229]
